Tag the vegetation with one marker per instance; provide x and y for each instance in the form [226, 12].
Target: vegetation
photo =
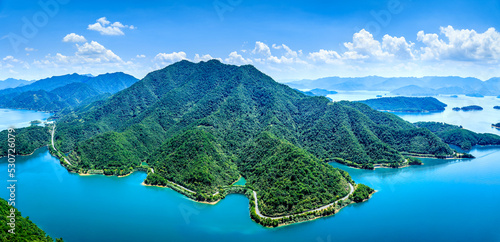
[361, 193]
[469, 108]
[413, 160]
[497, 125]
[193, 123]
[25, 230]
[496, 107]
[27, 140]
[458, 136]
[406, 104]
[288, 179]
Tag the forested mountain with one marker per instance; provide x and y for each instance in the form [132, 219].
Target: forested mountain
[12, 83]
[25, 230]
[200, 125]
[406, 104]
[458, 136]
[408, 86]
[234, 104]
[56, 93]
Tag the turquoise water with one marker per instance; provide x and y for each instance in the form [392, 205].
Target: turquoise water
[20, 118]
[241, 181]
[443, 200]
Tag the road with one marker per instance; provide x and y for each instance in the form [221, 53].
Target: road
[312, 210]
[53, 131]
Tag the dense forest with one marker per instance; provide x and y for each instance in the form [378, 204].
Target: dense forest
[25, 230]
[289, 179]
[196, 124]
[406, 104]
[458, 136]
[27, 140]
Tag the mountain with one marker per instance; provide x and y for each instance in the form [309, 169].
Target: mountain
[25, 229]
[406, 104]
[456, 135]
[49, 95]
[408, 86]
[201, 125]
[12, 83]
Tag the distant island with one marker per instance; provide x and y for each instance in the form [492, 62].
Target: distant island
[318, 92]
[474, 95]
[456, 135]
[406, 104]
[497, 107]
[468, 108]
[497, 125]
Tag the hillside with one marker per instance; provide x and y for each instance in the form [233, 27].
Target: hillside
[456, 135]
[13, 83]
[406, 104]
[52, 96]
[193, 123]
[25, 229]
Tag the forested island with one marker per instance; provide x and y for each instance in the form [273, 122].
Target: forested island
[200, 126]
[456, 135]
[497, 107]
[497, 125]
[469, 108]
[25, 230]
[406, 104]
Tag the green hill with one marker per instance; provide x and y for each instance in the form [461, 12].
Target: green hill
[458, 136]
[193, 123]
[406, 104]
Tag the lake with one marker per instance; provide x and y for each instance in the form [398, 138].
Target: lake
[20, 118]
[443, 200]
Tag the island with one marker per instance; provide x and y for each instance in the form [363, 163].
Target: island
[406, 104]
[469, 108]
[497, 125]
[496, 107]
[474, 95]
[198, 127]
[24, 229]
[456, 135]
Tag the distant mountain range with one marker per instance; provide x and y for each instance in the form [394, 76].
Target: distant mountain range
[12, 83]
[406, 86]
[59, 92]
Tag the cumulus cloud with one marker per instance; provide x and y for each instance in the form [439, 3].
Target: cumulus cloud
[171, 58]
[96, 53]
[463, 45]
[325, 56]
[398, 47]
[141, 56]
[105, 27]
[364, 46]
[237, 59]
[74, 38]
[261, 48]
[198, 58]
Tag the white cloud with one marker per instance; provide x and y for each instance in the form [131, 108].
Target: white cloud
[462, 45]
[325, 56]
[198, 58]
[261, 48]
[171, 58]
[29, 49]
[74, 38]
[237, 59]
[363, 46]
[141, 56]
[398, 47]
[10, 58]
[105, 27]
[96, 53]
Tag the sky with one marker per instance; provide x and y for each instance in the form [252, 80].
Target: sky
[288, 40]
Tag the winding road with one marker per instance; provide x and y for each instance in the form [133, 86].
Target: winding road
[53, 131]
[312, 210]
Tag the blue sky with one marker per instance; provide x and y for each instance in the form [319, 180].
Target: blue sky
[285, 39]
